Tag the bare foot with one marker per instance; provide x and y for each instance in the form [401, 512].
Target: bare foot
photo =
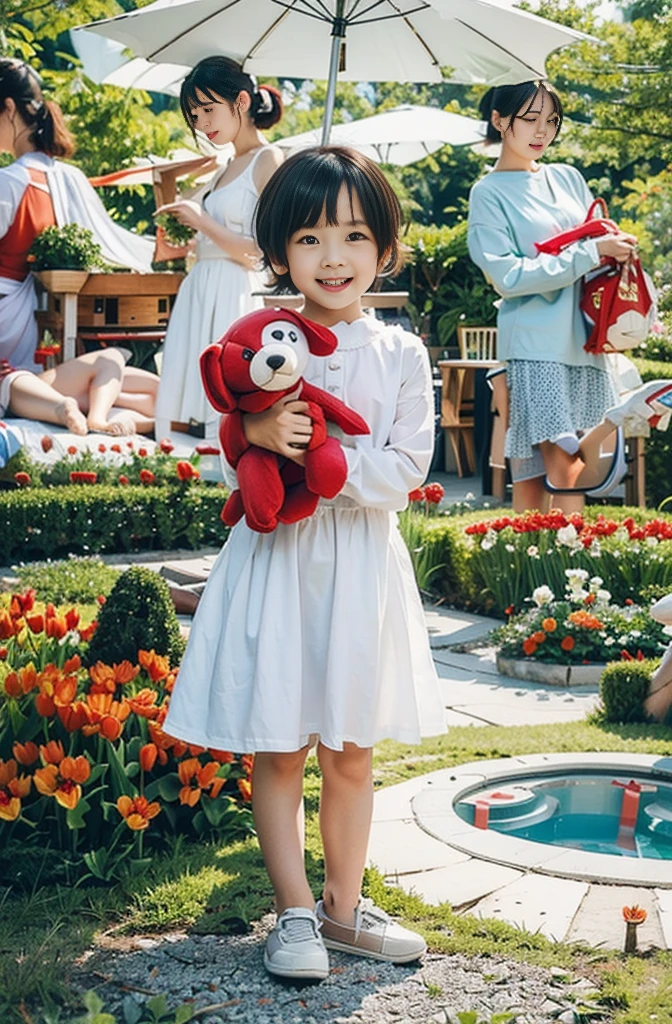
[69, 415]
[120, 424]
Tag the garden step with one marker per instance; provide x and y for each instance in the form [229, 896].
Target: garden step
[189, 570]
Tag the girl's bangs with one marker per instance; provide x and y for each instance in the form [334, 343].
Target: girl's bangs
[320, 197]
[189, 98]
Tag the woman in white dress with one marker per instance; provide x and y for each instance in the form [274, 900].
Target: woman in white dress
[315, 632]
[225, 104]
[38, 191]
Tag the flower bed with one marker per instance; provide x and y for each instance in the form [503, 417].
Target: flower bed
[583, 627]
[86, 770]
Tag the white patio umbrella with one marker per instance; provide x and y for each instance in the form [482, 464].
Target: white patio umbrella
[377, 40]
[399, 136]
[106, 61]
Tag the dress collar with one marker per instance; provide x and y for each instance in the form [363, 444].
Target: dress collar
[358, 334]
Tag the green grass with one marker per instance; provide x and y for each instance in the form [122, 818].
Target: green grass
[215, 889]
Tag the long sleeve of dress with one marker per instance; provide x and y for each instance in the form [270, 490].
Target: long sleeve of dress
[382, 470]
[493, 248]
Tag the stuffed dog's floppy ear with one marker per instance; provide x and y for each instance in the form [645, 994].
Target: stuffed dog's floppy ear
[321, 341]
[215, 387]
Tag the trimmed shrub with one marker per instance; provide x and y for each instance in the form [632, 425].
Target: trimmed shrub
[659, 444]
[76, 519]
[72, 581]
[138, 614]
[623, 688]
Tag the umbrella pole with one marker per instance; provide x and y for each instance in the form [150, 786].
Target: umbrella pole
[338, 30]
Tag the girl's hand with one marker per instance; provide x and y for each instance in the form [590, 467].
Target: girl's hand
[284, 428]
[186, 211]
[618, 247]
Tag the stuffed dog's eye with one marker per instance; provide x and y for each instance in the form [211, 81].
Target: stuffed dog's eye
[248, 354]
[293, 336]
[278, 335]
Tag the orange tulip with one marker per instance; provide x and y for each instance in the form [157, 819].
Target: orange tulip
[7, 625]
[155, 665]
[12, 686]
[72, 618]
[65, 691]
[143, 703]
[12, 789]
[26, 753]
[35, 623]
[86, 632]
[245, 788]
[56, 627]
[73, 716]
[247, 764]
[21, 603]
[195, 778]
[634, 914]
[73, 664]
[148, 755]
[223, 756]
[137, 812]
[105, 715]
[52, 752]
[63, 781]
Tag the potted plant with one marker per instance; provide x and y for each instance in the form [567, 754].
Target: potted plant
[63, 257]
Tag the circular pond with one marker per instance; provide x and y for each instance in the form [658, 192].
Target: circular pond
[601, 817]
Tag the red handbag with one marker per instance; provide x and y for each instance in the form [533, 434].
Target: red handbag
[592, 227]
[618, 300]
[619, 304]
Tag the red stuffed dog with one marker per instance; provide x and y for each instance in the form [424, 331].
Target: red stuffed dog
[261, 358]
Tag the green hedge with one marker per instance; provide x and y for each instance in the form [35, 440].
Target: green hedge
[79, 519]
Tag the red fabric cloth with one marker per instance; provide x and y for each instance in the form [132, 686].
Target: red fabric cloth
[35, 213]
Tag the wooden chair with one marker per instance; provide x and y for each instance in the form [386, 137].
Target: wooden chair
[457, 416]
[477, 342]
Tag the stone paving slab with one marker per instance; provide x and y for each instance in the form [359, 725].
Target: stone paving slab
[664, 898]
[458, 884]
[599, 920]
[536, 903]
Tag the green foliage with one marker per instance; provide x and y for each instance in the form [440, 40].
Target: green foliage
[68, 248]
[176, 233]
[139, 613]
[58, 521]
[74, 581]
[445, 288]
[623, 689]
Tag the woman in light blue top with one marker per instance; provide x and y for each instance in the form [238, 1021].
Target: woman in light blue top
[557, 390]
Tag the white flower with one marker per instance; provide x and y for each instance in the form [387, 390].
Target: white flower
[596, 582]
[595, 550]
[603, 597]
[609, 641]
[489, 540]
[542, 595]
[622, 534]
[533, 551]
[579, 595]
[652, 541]
[568, 536]
[635, 632]
[509, 547]
[576, 574]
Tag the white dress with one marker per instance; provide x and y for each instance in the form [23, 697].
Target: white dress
[216, 292]
[317, 629]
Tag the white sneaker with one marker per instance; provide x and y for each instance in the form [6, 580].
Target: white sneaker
[373, 934]
[295, 949]
[651, 402]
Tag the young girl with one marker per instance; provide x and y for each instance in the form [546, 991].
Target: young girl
[315, 633]
[224, 103]
[557, 390]
[96, 391]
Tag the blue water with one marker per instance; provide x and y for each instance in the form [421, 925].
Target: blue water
[583, 813]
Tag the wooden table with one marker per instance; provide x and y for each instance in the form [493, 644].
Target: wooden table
[460, 415]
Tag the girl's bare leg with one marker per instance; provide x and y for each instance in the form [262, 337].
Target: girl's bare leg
[530, 494]
[95, 381]
[346, 807]
[277, 803]
[34, 398]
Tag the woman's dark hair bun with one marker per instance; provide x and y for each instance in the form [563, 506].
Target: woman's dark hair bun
[267, 106]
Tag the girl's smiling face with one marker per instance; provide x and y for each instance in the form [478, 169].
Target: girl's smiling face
[333, 264]
[216, 119]
[527, 135]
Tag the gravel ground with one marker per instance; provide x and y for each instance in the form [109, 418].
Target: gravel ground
[226, 975]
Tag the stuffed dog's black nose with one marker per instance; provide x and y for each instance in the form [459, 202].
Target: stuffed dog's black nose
[275, 362]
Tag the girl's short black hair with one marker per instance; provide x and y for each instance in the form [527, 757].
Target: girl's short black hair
[220, 77]
[509, 99]
[307, 185]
